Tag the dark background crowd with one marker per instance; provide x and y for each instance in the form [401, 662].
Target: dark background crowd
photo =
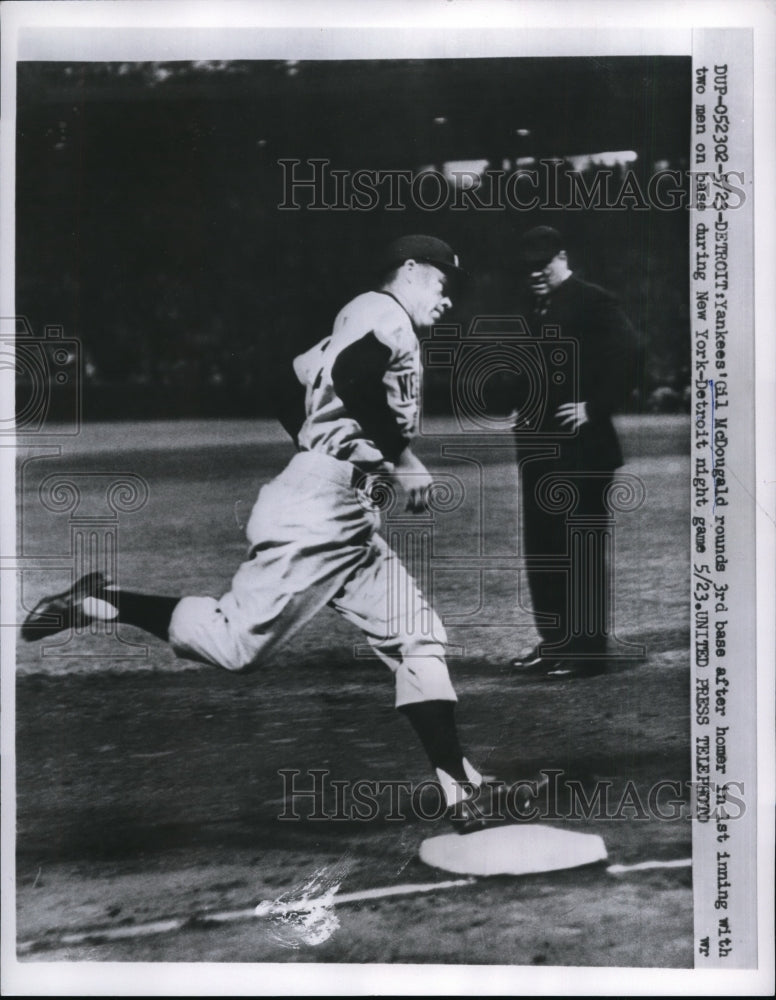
[148, 225]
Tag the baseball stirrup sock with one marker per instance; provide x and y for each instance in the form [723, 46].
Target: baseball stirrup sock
[434, 722]
[145, 611]
[456, 791]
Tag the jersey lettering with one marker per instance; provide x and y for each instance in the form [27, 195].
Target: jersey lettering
[407, 383]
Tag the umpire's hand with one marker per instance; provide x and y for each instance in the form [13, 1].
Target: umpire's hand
[572, 415]
[415, 480]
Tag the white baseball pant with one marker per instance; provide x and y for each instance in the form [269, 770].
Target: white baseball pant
[314, 542]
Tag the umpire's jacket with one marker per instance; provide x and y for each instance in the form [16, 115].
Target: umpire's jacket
[603, 376]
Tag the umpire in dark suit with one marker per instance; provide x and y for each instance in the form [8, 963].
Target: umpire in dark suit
[568, 450]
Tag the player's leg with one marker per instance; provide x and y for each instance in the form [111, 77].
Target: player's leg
[93, 597]
[306, 535]
[386, 604]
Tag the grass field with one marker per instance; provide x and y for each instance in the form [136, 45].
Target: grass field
[148, 787]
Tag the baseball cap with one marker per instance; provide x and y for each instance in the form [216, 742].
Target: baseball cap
[540, 245]
[425, 249]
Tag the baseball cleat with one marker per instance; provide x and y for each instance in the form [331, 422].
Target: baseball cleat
[496, 803]
[484, 808]
[64, 611]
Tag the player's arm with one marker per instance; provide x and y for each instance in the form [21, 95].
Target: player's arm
[358, 379]
[414, 478]
[358, 376]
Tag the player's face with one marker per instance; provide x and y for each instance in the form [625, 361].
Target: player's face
[544, 278]
[432, 298]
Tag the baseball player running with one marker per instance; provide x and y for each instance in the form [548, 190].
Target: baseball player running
[313, 532]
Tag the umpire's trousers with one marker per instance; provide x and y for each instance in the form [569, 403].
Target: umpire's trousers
[566, 546]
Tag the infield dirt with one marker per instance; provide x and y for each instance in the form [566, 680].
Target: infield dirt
[150, 788]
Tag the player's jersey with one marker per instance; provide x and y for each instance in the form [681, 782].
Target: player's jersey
[362, 384]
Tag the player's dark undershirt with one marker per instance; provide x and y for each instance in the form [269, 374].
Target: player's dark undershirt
[357, 377]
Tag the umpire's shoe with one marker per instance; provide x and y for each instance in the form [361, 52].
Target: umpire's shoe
[569, 670]
[63, 611]
[530, 663]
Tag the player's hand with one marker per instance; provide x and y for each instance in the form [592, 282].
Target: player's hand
[572, 415]
[415, 480]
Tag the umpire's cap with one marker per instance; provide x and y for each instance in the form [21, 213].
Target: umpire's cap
[424, 249]
[539, 245]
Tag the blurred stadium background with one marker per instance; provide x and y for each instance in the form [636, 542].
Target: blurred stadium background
[148, 230]
[148, 225]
